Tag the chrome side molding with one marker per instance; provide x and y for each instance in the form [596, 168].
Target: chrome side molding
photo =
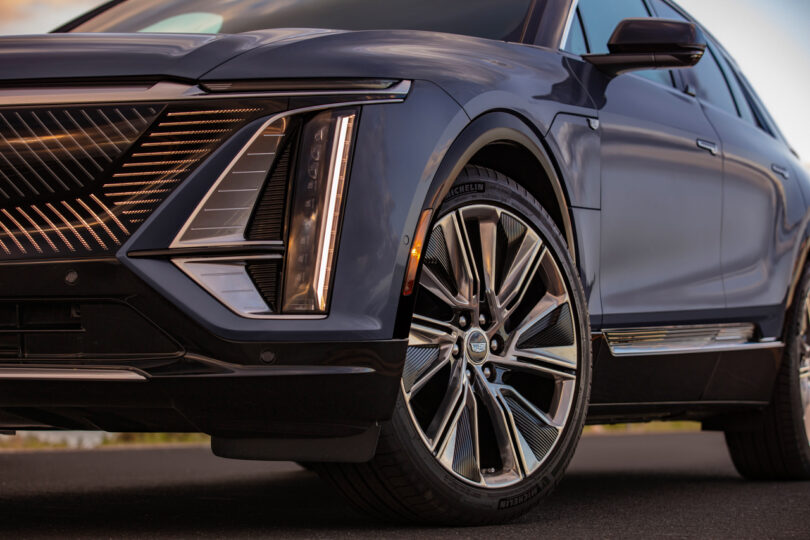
[68, 374]
[684, 339]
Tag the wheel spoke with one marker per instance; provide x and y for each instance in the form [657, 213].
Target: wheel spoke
[535, 432]
[531, 408]
[558, 356]
[428, 376]
[458, 449]
[487, 220]
[448, 406]
[562, 355]
[539, 367]
[461, 265]
[427, 331]
[499, 415]
[515, 279]
[523, 286]
[432, 283]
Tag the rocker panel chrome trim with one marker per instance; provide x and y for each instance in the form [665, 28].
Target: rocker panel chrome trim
[662, 340]
[72, 374]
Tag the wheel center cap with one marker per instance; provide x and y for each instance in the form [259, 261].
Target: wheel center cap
[477, 346]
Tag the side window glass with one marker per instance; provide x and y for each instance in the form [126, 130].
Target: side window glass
[576, 43]
[710, 83]
[743, 107]
[665, 11]
[600, 18]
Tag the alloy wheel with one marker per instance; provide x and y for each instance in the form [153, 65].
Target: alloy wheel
[492, 362]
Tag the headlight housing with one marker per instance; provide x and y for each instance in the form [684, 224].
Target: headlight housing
[282, 194]
[317, 200]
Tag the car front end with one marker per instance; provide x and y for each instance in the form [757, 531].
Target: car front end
[219, 256]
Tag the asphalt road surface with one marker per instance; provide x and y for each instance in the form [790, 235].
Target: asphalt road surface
[640, 486]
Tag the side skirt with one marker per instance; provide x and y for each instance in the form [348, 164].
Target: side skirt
[702, 372]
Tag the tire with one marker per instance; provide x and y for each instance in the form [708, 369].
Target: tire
[780, 448]
[483, 478]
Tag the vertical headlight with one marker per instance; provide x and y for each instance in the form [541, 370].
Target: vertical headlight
[317, 198]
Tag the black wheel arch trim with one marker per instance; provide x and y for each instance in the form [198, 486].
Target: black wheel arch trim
[493, 127]
[486, 129]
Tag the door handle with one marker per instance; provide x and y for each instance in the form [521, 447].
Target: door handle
[781, 171]
[709, 146]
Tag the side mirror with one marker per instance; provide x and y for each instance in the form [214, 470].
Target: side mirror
[639, 44]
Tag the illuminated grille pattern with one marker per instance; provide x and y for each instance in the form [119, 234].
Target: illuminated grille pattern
[167, 154]
[48, 152]
[78, 181]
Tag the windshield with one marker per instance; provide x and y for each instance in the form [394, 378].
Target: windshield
[501, 19]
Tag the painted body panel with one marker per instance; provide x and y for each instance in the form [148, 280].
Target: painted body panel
[762, 212]
[661, 201]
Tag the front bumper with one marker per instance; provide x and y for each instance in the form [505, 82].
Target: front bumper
[183, 377]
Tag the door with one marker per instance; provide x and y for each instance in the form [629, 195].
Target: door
[762, 203]
[661, 192]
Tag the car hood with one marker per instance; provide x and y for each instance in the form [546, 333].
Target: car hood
[146, 56]
[480, 74]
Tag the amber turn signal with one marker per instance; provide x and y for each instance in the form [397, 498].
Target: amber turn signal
[416, 252]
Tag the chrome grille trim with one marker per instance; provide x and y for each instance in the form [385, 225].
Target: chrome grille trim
[165, 91]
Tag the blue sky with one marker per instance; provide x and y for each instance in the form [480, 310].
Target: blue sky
[771, 42]
[769, 39]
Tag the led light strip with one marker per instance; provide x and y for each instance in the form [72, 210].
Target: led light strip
[337, 177]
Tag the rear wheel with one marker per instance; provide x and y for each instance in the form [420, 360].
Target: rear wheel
[497, 375]
[780, 449]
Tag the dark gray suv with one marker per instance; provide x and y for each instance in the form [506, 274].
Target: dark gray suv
[416, 244]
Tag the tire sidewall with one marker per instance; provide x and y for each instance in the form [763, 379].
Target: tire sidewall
[790, 369]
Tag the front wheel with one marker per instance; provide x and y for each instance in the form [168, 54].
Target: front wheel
[496, 380]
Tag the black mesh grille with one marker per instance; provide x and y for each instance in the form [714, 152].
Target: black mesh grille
[77, 181]
[265, 276]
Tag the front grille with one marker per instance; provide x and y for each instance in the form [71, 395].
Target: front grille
[59, 150]
[79, 180]
[167, 155]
